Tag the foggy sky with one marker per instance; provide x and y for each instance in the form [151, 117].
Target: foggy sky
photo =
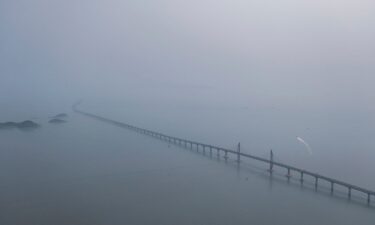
[289, 53]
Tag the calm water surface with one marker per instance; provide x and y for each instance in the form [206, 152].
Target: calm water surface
[89, 172]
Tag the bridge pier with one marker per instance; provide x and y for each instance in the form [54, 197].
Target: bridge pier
[349, 192]
[301, 179]
[271, 162]
[238, 152]
[368, 198]
[225, 155]
[288, 175]
[332, 187]
[316, 182]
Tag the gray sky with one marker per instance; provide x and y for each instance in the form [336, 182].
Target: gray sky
[288, 53]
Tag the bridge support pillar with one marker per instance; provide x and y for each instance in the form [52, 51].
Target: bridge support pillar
[225, 155]
[349, 192]
[271, 162]
[368, 198]
[301, 177]
[316, 183]
[238, 152]
[332, 187]
[288, 175]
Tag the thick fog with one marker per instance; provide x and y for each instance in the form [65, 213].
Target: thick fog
[293, 76]
[208, 53]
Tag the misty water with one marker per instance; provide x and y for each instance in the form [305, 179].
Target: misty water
[89, 172]
[267, 74]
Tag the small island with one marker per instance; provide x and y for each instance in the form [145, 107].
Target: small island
[56, 121]
[21, 125]
[60, 115]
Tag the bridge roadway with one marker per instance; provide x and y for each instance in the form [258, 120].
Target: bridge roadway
[238, 154]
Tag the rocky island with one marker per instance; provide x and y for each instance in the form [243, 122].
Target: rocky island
[21, 125]
[56, 121]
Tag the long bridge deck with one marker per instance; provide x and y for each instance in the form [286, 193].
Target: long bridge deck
[188, 143]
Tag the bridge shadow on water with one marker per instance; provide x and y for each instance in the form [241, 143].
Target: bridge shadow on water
[276, 177]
